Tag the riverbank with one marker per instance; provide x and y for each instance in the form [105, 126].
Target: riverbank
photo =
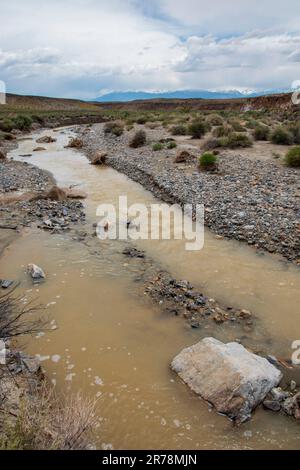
[113, 324]
[252, 201]
[27, 197]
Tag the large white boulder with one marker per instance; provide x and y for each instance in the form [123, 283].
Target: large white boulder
[228, 376]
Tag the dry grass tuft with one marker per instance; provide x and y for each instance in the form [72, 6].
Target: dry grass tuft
[44, 422]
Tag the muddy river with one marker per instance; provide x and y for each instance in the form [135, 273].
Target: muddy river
[108, 340]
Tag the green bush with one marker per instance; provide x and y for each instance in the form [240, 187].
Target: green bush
[6, 125]
[292, 157]
[281, 136]
[208, 161]
[138, 140]
[236, 125]
[215, 120]
[222, 131]
[294, 129]
[197, 129]
[38, 119]
[23, 123]
[251, 124]
[116, 128]
[261, 132]
[211, 144]
[235, 140]
[179, 129]
[141, 120]
[172, 145]
[157, 146]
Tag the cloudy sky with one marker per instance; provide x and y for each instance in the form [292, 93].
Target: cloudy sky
[84, 48]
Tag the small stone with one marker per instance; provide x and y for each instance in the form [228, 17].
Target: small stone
[288, 406]
[293, 385]
[272, 405]
[36, 272]
[278, 394]
[5, 283]
[218, 318]
[244, 314]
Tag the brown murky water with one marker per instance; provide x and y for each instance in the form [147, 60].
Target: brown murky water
[108, 340]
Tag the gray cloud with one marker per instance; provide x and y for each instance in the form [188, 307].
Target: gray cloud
[295, 56]
[78, 48]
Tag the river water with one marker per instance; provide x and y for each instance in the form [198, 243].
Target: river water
[109, 341]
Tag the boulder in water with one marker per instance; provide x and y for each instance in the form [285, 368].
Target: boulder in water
[36, 272]
[230, 377]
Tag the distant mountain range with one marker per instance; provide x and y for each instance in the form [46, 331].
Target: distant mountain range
[182, 94]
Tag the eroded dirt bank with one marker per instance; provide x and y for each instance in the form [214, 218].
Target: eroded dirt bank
[252, 201]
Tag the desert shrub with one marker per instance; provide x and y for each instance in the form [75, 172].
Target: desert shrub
[116, 128]
[208, 161]
[197, 129]
[172, 145]
[6, 125]
[157, 146]
[236, 125]
[17, 320]
[281, 136]
[215, 120]
[294, 129]
[179, 129]
[138, 140]
[183, 156]
[211, 143]
[23, 123]
[46, 423]
[261, 132]
[221, 131]
[75, 142]
[38, 119]
[141, 120]
[235, 140]
[292, 157]
[252, 123]
[6, 136]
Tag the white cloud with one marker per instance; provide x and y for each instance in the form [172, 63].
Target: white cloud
[254, 60]
[223, 17]
[77, 48]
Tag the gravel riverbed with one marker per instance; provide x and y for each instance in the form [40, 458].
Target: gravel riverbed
[22, 200]
[253, 201]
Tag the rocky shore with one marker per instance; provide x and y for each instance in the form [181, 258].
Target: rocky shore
[252, 201]
[25, 198]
